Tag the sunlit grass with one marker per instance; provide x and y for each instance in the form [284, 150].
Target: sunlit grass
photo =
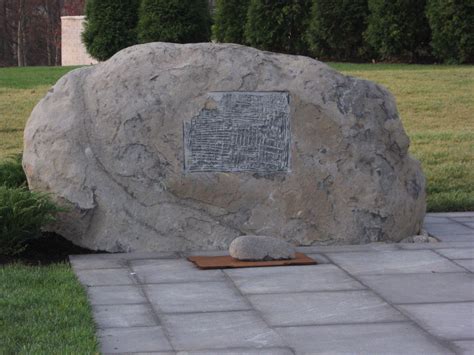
[31, 77]
[15, 108]
[44, 310]
[436, 104]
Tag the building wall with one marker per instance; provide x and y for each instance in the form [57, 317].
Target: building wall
[73, 51]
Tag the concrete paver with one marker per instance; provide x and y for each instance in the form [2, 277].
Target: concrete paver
[393, 262]
[162, 270]
[133, 340]
[313, 308]
[360, 299]
[378, 338]
[292, 279]
[436, 219]
[220, 330]
[104, 295]
[464, 347]
[105, 277]
[196, 297]
[422, 288]
[444, 320]
[451, 229]
[456, 253]
[93, 263]
[448, 238]
[468, 264]
[240, 351]
[123, 315]
[435, 246]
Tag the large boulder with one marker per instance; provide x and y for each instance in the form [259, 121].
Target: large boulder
[179, 147]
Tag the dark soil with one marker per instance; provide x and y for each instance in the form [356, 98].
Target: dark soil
[50, 249]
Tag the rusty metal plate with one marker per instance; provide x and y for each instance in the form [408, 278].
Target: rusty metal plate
[228, 262]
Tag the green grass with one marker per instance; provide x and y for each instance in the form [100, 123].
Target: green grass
[44, 310]
[435, 102]
[346, 67]
[31, 77]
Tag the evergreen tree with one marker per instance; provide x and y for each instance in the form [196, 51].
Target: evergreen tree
[110, 26]
[178, 21]
[278, 25]
[336, 29]
[398, 29]
[230, 17]
[452, 26]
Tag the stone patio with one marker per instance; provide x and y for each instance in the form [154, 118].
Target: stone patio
[364, 299]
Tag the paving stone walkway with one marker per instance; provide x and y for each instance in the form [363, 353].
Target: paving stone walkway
[370, 299]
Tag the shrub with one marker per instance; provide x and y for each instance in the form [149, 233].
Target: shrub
[230, 16]
[452, 26]
[398, 29]
[178, 21]
[22, 214]
[110, 26]
[336, 29]
[278, 25]
[11, 172]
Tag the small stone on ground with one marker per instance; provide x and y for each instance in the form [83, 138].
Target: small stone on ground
[258, 247]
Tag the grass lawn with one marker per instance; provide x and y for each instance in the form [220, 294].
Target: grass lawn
[435, 102]
[44, 310]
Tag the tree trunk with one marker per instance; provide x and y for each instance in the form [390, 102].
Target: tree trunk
[21, 34]
[19, 47]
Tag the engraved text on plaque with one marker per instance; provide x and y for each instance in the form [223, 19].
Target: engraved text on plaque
[240, 131]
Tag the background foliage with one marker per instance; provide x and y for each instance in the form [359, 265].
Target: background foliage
[452, 26]
[278, 25]
[398, 29]
[336, 29]
[415, 31]
[229, 17]
[110, 26]
[178, 21]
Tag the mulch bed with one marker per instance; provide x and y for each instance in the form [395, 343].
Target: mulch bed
[50, 249]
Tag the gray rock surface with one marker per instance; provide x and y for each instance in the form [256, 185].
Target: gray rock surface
[107, 141]
[259, 247]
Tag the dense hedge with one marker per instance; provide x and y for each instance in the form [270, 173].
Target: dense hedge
[22, 212]
[110, 26]
[452, 26]
[344, 30]
[11, 172]
[336, 29]
[229, 17]
[178, 21]
[278, 25]
[398, 29]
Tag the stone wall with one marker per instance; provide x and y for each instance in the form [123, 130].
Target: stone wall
[73, 51]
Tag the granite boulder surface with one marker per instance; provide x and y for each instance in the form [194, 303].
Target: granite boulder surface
[179, 147]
